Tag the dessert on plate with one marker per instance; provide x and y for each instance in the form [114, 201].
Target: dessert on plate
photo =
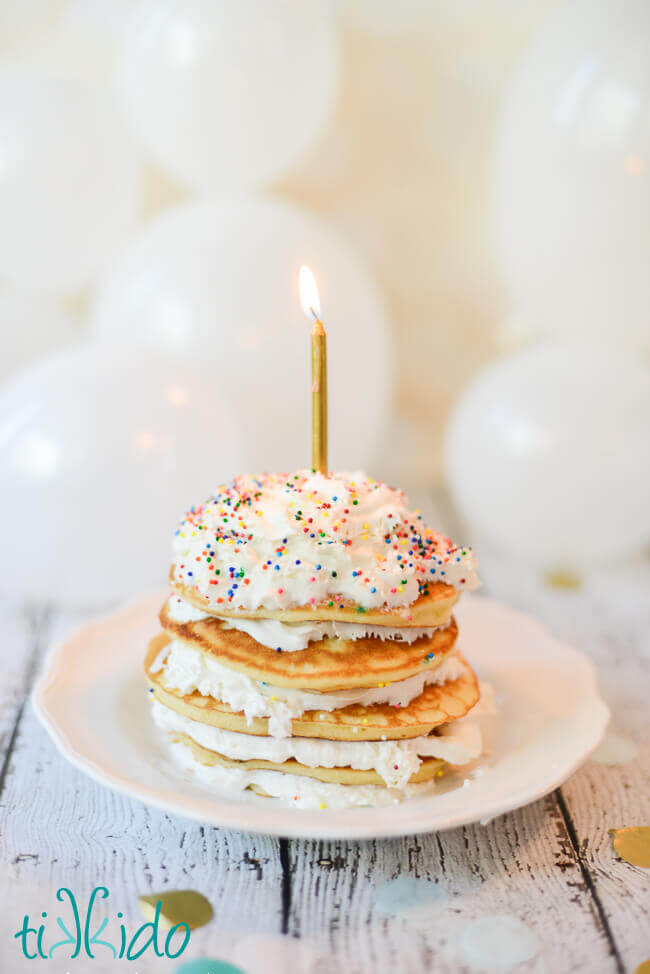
[308, 649]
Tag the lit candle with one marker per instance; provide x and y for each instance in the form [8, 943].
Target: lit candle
[311, 306]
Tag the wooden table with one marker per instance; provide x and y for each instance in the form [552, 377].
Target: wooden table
[294, 905]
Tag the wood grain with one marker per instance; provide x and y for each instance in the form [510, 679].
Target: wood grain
[521, 864]
[609, 619]
[58, 828]
[23, 631]
[550, 864]
[602, 797]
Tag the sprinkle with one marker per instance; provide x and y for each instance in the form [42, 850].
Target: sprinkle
[231, 517]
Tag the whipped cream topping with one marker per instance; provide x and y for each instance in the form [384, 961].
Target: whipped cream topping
[187, 670]
[295, 790]
[293, 637]
[181, 611]
[284, 540]
[395, 761]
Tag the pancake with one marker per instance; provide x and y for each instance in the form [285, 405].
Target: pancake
[327, 664]
[428, 769]
[437, 704]
[432, 608]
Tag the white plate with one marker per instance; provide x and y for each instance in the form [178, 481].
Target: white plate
[92, 699]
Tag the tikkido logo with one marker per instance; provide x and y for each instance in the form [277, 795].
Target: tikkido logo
[82, 939]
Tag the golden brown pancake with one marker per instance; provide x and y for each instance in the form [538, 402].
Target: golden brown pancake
[430, 609]
[343, 776]
[327, 664]
[435, 705]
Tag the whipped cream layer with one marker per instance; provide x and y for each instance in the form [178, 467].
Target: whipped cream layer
[295, 790]
[395, 761]
[188, 670]
[285, 540]
[293, 637]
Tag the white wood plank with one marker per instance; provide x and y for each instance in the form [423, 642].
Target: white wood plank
[59, 828]
[602, 797]
[609, 618]
[522, 864]
[56, 826]
[19, 644]
[549, 864]
[597, 799]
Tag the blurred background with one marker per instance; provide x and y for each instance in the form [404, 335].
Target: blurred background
[468, 180]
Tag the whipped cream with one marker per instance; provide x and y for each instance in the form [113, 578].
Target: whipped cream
[395, 761]
[284, 540]
[295, 790]
[293, 637]
[187, 670]
[181, 611]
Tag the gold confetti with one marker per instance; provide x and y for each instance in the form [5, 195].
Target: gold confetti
[633, 845]
[644, 967]
[563, 579]
[177, 906]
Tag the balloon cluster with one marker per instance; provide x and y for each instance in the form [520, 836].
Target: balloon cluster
[141, 149]
[197, 364]
[547, 453]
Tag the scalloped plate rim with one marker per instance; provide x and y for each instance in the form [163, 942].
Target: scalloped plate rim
[264, 816]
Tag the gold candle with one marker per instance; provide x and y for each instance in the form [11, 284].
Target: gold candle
[311, 306]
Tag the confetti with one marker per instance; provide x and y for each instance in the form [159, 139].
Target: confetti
[408, 896]
[614, 749]
[208, 965]
[177, 906]
[500, 941]
[563, 579]
[633, 845]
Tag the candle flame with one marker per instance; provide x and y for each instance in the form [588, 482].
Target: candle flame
[309, 298]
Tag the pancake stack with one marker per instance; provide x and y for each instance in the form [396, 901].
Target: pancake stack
[308, 649]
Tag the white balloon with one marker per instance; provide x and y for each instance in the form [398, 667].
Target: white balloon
[20, 21]
[101, 451]
[69, 179]
[98, 24]
[548, 455]
[82, 41]
[570, 182]
[32, 325]
[228, 93]
[218, 284]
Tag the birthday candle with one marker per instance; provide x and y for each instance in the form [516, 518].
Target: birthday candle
[311, 306]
